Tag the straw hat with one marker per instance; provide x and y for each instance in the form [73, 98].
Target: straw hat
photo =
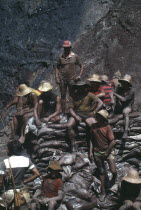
[55, 165]
[94, 78]
[127, 78]
[103, 113]
[45, 86]
[132, 177]
[23, 90]
[79, 83]
[104, 78]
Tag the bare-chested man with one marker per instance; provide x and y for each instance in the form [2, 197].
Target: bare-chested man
[25, 101]
[48, 106]
[125, 99]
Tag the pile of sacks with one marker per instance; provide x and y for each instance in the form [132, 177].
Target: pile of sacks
[81, 185]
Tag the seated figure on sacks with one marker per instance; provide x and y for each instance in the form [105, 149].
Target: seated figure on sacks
[124, 101]
[129, 191]
[82, 107]
[25, 101]
[48, 106]
[51, 192]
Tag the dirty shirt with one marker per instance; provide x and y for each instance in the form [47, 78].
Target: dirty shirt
[67, 66]
[101, 137]
[50, 187]
[85, 105]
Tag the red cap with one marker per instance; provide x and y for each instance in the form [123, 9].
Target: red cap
[67, 44]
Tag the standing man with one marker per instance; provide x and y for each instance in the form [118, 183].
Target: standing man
[19, 165]
[125, 99]
[102, 142]
[66, 71]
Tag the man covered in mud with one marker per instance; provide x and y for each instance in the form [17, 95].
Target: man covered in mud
[124, 101]
[102, 142]
[48, 106]
[130, 191]
[25, 101]
[51, 192]
[66, 71]
[82, 107]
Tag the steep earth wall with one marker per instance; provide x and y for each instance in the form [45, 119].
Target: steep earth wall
[105, 33]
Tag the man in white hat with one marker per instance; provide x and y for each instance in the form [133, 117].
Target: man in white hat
[130, 191]
[66, 71]
[125, 99]
[102, 142]
[48, 106]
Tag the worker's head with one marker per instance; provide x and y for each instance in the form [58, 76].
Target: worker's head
[80, 87]
[67, 46]
[102, 116]
[94, 81]
[126, 82]
[45, 88]
[54, 169]
[14, 148]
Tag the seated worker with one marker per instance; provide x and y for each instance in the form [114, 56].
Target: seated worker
[25, 101]
[108, 99]
[48, 106]
[124, 101]
[130, 191]
[51, 192]
[102, 142]
[19, 165]
[17, 101]
[95, 84]
[82, 107]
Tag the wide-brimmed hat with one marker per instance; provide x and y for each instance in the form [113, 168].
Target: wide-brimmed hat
[79, 84]
[103, 113]
[45, 86]
[23, 90]
[67, 43]
[127, 78]
[104, 78]
[132, 177]
[94, 78]
[54, 165]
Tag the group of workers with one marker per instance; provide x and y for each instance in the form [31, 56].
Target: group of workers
[92, 102]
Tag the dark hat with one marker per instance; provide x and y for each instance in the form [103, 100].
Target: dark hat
[79, 84]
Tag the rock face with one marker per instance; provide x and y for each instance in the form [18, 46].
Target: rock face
[32, 33]
[106, 35]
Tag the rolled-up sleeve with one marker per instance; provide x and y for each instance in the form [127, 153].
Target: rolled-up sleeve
[31, 165]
